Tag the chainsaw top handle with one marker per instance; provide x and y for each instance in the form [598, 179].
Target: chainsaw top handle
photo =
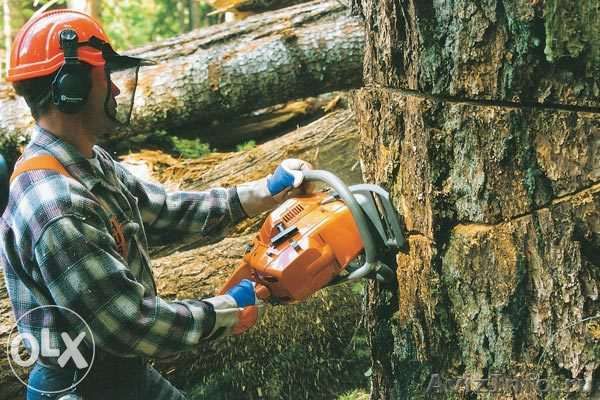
[371, 263]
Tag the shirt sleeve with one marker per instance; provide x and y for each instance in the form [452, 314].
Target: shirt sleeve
[203, 212]
[83, 271]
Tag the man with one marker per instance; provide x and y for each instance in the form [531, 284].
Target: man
[76, 229]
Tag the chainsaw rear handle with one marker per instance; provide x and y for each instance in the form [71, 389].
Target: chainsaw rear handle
[244, 271]
[371, 262]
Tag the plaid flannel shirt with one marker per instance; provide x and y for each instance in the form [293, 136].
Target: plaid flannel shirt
[57, 248]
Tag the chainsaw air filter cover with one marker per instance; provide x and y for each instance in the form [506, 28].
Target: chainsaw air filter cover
[303, 245]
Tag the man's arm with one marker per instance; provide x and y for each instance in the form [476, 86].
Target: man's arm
[202, 212]
[83, 271]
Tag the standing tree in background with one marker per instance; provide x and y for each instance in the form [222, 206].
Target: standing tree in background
[90, 7]
[135, 23]
[7, 36]
[482, 118]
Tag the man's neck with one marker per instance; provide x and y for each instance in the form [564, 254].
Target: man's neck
[72, 131]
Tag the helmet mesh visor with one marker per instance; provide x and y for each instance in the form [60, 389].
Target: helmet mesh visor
[120, 107]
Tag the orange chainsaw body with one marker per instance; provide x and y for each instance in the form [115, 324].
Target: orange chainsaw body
[301, 247]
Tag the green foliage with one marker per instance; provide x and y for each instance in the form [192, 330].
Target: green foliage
[9, 148]
[357, 394]
[134, 23]
[190, 148]
[250, 144]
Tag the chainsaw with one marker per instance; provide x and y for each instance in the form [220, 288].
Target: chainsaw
[322, 239]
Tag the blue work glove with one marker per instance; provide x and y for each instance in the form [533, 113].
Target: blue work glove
[266, 193]
[236, 311]
[243, 293]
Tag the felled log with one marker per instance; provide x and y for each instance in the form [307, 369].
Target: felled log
[323, 327]
[231, 69]
[272, 121]
[259, 125]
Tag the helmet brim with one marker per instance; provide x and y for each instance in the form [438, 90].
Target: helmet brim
[121, 62]
[114, 60]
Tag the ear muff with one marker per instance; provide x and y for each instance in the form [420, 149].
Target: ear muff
[72, 83]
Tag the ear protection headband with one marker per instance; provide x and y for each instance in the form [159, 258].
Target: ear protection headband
[72, 84]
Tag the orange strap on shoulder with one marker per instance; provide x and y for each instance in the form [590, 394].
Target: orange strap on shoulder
[39, 162]
[50, 163]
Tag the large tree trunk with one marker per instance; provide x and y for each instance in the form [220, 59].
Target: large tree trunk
[220, 71]
[194, 272]
[483, 121]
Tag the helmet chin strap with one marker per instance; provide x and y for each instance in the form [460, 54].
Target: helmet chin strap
[112, 116]
[109, 96]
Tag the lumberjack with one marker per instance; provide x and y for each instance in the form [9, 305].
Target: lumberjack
[76, 230]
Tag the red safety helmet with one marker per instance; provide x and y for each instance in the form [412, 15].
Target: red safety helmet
[36, 50]
[58, 41]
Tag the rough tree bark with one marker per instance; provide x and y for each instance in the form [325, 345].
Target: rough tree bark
[482, 118]
[190, 271]
[225, 70]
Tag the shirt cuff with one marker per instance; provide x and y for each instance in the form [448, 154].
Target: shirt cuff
[235, 207]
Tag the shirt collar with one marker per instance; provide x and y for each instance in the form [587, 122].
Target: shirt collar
[68, 155]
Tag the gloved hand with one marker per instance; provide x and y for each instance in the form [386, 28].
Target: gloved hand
[266, 193]
[236, 311]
